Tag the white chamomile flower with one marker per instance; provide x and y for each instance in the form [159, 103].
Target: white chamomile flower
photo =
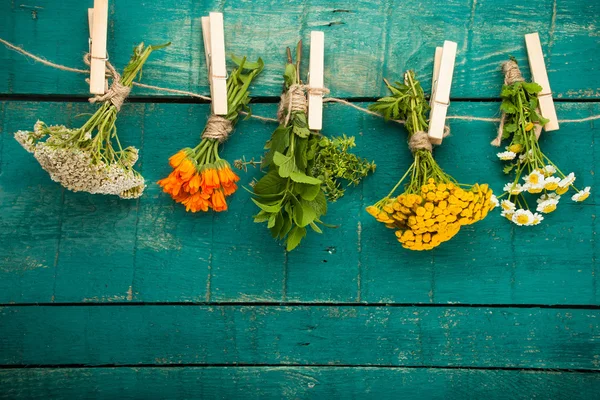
[507, 155]
[551, 183]
[513, 188]
[508, 214]
[567, 180]
[582, 194]
[547, 196]
[535, 178]
[507, 205]
[494, 202]
[533, 188]
[549, 170]
[537, 218]
[547, 206]
[522, 217]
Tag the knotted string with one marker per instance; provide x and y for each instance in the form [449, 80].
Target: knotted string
[294, 100]
[217, 128]
[266, 119]
[419, 141]
[117, 93]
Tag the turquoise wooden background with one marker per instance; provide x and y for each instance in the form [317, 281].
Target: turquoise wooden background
[107, 298]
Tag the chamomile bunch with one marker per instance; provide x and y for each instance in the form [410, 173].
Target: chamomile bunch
[533, 172]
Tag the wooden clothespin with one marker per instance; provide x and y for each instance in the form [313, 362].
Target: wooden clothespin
[440, 98]
[437, 60]
[315, 80]
[214, 48]
[98, 24]
[540, 76]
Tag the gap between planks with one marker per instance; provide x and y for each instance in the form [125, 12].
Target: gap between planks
[288, 365]
[301, 304]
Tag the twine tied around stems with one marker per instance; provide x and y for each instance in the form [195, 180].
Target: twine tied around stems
[117, 93]
[294, 100]
[419, 141]
[217, 128]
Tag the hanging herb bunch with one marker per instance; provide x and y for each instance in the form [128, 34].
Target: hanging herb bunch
[534, 173]
[304, 169]
[201, 179]
[434, 205]
[91, 158]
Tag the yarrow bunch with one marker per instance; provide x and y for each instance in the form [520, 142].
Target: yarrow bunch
[534, 172]
[86, 159]
[304, 168]
[201, 180]
[434, 205]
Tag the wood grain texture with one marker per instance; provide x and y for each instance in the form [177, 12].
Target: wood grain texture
[366, 41]
[293, 383]
[357, 335]
[75, 247]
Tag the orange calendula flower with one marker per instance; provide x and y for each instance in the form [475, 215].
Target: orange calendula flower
[201, 180]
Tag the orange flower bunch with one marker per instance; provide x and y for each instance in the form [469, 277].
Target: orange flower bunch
[199, 185]
[201, 180]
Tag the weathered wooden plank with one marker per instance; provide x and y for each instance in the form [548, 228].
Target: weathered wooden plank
[293, 383]
[358, 335]
[365, 41]
[94, 248]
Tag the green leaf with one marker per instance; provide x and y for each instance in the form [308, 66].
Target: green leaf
[295, 237]
[532, 87]
[510, 128]
[508, 168]
[286, 164]
[299, 177]
[271, 183]
[241, 61]
[270, 208]
[287, 225]
[276, 228]
[301, 158]
[289, 76]
[272, 220]
[508, 107]
[315, 227]
[303, 212]
[307, 191]
[319, 204]
[262, 216]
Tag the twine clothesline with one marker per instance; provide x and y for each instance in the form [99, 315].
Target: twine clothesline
[258, 117]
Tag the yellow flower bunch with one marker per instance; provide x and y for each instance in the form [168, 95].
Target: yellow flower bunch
[434, 205]
[423, 221]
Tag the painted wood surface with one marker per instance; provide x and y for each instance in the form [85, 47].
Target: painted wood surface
[61, 246]
[267, 335]
[365, 41]
[293, 382]
[141, 300]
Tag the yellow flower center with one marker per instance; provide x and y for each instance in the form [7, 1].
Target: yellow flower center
[584, 196]
[523, 219]
[549, 208]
